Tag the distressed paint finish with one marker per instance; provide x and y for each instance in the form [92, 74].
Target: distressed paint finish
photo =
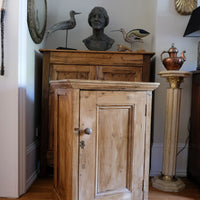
[113, 163]
[167, 181]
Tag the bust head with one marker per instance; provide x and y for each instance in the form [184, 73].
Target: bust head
[98, 18]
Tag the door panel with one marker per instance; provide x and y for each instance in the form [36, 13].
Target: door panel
[112, 146]
[87, 154]
[111, 162]
[59, 72]
[117, 73]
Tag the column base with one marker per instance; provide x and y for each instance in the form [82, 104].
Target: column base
[174, 185]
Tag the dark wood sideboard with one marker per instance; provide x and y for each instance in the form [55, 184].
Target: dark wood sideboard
[88, 65]
[194, 138]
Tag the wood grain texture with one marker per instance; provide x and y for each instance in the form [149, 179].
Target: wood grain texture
[112, 144]
[104, 85]
[87, 154]
[42, 189]
[113, 162]
[66, 105]
[147, 144]
[117, 119]
[59, 72]
[114, 73]
[84, 65]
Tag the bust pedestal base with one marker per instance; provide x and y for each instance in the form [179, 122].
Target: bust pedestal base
[173, 185]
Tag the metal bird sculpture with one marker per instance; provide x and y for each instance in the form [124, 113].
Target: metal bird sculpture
[64, 25]
[134, 35]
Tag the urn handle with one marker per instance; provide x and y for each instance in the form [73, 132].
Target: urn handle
[162, 55]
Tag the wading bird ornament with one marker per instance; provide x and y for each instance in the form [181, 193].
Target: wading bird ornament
[121, 47]
[134, 35]
[64, 25]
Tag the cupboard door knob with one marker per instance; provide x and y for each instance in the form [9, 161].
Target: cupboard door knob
[88, 131]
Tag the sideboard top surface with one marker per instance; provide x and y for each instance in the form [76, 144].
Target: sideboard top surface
[95, 52]
[104, 85]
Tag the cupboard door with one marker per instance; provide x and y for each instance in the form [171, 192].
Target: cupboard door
[111, 158]
[59, 72]
[113, 73]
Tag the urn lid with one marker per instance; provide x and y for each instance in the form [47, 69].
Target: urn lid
[173, 49]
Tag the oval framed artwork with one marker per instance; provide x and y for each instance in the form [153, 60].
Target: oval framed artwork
[37, 19]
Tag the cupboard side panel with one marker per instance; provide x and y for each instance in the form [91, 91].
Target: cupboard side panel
[147, 144]
[75, 156]
[87, 152]
[63, 138]
[44, 114]
[58, 72]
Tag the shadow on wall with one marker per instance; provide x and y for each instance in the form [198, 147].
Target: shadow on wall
[38, 91]
[33, 148]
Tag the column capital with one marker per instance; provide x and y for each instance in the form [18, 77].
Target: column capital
[174, 77]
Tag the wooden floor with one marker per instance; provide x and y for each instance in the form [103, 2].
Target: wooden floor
[42, 189]
[191, 192]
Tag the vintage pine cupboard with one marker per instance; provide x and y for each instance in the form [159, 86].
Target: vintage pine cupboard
[101, 139]
[88, 65]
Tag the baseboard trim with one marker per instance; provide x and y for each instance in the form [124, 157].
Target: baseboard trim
[156, 160]
[22, 141]
[32, 147]
[32, 178]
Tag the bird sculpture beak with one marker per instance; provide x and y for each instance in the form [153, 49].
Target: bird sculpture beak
[77, 13]
[114, 30]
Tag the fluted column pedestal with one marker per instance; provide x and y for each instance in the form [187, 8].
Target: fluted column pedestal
[167, 180]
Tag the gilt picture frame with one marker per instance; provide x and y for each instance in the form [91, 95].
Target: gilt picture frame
[37, 19]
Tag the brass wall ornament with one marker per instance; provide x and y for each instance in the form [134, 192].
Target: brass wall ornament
[185, 7]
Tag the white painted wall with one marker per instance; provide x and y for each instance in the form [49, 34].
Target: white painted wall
[9, 106]
[122, 14]
[170, 27]
[29, 84]
[18, 104]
